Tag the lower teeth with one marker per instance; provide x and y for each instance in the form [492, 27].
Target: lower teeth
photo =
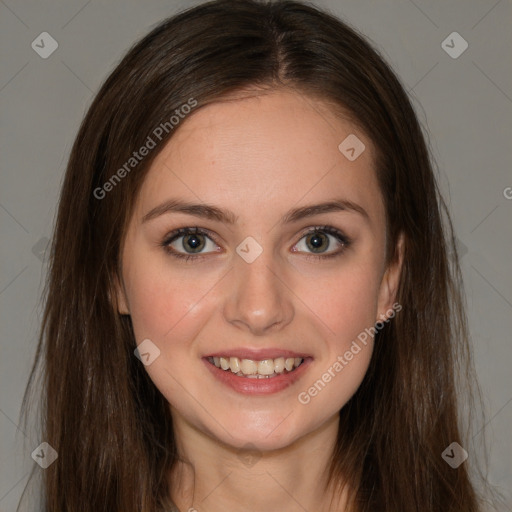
[258, 376]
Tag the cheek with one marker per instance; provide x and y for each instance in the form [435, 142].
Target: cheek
[170, 309]
[343, 299]
[163, 303]
[345, 302]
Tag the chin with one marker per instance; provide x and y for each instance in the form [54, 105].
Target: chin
[262, 433]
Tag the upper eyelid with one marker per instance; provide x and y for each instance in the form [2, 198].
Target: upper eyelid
[178, 233]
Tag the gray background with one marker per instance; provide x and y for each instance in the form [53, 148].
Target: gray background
[465, 105]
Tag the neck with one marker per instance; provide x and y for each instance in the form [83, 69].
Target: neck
[214, 477]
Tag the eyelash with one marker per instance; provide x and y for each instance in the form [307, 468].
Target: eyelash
[174, 235]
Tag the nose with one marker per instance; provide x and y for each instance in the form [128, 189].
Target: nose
[257, 298]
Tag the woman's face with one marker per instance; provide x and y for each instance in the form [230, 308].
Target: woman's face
[261, 289]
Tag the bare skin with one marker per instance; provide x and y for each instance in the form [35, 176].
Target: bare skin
[258, 157]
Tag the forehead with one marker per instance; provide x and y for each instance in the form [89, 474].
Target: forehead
[261, 152]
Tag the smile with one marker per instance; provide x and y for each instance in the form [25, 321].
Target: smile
[263, 369]
[257, 376]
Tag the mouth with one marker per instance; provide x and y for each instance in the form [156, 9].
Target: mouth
[254, 369]
[259, 375]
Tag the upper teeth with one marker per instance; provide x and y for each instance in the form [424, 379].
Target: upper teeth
[264, 367]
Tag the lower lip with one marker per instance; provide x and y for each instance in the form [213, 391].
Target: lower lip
[258, 386]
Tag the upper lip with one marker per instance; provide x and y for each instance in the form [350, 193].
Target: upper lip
[257, 354]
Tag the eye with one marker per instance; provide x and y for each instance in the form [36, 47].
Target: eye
[319, 239]
[189, 243]
[194, 243]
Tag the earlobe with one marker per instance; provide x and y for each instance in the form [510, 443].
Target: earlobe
[120, 297]
[390, 282]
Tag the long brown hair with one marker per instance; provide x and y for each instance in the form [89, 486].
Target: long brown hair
[111, 427]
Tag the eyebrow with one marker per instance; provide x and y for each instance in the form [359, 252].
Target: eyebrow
[228, 217]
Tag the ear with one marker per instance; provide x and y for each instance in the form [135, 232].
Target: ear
[390, 281]
[120, 302]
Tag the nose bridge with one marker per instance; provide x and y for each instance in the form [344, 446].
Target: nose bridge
[257, 299]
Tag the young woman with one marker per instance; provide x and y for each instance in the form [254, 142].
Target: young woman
[251, 304]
